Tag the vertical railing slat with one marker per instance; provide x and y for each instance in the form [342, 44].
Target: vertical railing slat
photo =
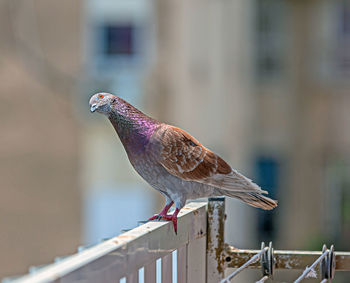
[196, 260]
[182, 264]
[167, 267]
[133, 277]
[150, 273]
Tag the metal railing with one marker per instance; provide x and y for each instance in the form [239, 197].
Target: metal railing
[153, 253]
[267, 259]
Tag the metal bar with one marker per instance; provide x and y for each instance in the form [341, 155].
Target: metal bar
[234, 258]
[254, 259]
[167, 268]
[215, 240]
[308, 269]
[150, 272]
[182, 264]
[127, 252]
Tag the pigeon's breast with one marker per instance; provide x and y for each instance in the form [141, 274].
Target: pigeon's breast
[149, 169]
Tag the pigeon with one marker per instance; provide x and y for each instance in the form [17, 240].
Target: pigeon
[173, 162]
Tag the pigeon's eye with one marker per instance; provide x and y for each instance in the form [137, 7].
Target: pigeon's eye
[100, 96]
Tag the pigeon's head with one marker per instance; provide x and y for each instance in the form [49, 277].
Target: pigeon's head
[101, 102]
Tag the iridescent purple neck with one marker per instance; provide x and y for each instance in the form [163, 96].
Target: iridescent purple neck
[133, 127]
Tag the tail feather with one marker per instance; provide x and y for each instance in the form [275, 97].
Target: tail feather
[235, 182]
[253, 199]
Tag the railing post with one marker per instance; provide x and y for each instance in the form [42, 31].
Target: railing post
[215, 240]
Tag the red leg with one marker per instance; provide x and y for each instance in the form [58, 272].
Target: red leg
[174, 219]
[163, 213]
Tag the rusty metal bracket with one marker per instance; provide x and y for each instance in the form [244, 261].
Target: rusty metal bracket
[284, 259]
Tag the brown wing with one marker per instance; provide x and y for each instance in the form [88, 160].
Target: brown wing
[183, 156]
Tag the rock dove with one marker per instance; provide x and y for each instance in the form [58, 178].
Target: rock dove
[173, 162]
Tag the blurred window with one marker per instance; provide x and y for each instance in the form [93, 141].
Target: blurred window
[270, 30]
[118, 39]
[343, 43]
[267, 172]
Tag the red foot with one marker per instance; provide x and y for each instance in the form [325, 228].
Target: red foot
[172, 218]
[163, 213]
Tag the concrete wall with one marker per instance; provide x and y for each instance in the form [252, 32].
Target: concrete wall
[39, 192]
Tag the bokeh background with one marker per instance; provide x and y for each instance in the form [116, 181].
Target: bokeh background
[263, 83]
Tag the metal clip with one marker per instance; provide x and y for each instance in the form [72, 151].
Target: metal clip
[267, 260]
[327, 265]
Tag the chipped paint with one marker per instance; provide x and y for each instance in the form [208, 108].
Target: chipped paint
[128, 237]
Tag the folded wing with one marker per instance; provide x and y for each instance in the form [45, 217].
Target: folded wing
[183, 156]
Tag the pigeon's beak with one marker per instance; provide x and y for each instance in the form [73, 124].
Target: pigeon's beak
[93, 107]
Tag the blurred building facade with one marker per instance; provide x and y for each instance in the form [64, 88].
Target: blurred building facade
[301, 91]
[40, 200]
[263, 83]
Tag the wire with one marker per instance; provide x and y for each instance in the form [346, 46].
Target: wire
[244, 266]
[308, 269]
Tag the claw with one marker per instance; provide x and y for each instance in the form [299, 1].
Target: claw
[154, 217]
[174, 220]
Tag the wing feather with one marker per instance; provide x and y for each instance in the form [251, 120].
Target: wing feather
[183, 156]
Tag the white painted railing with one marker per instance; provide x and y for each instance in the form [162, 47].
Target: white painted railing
[138, 252]
[153, 253]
